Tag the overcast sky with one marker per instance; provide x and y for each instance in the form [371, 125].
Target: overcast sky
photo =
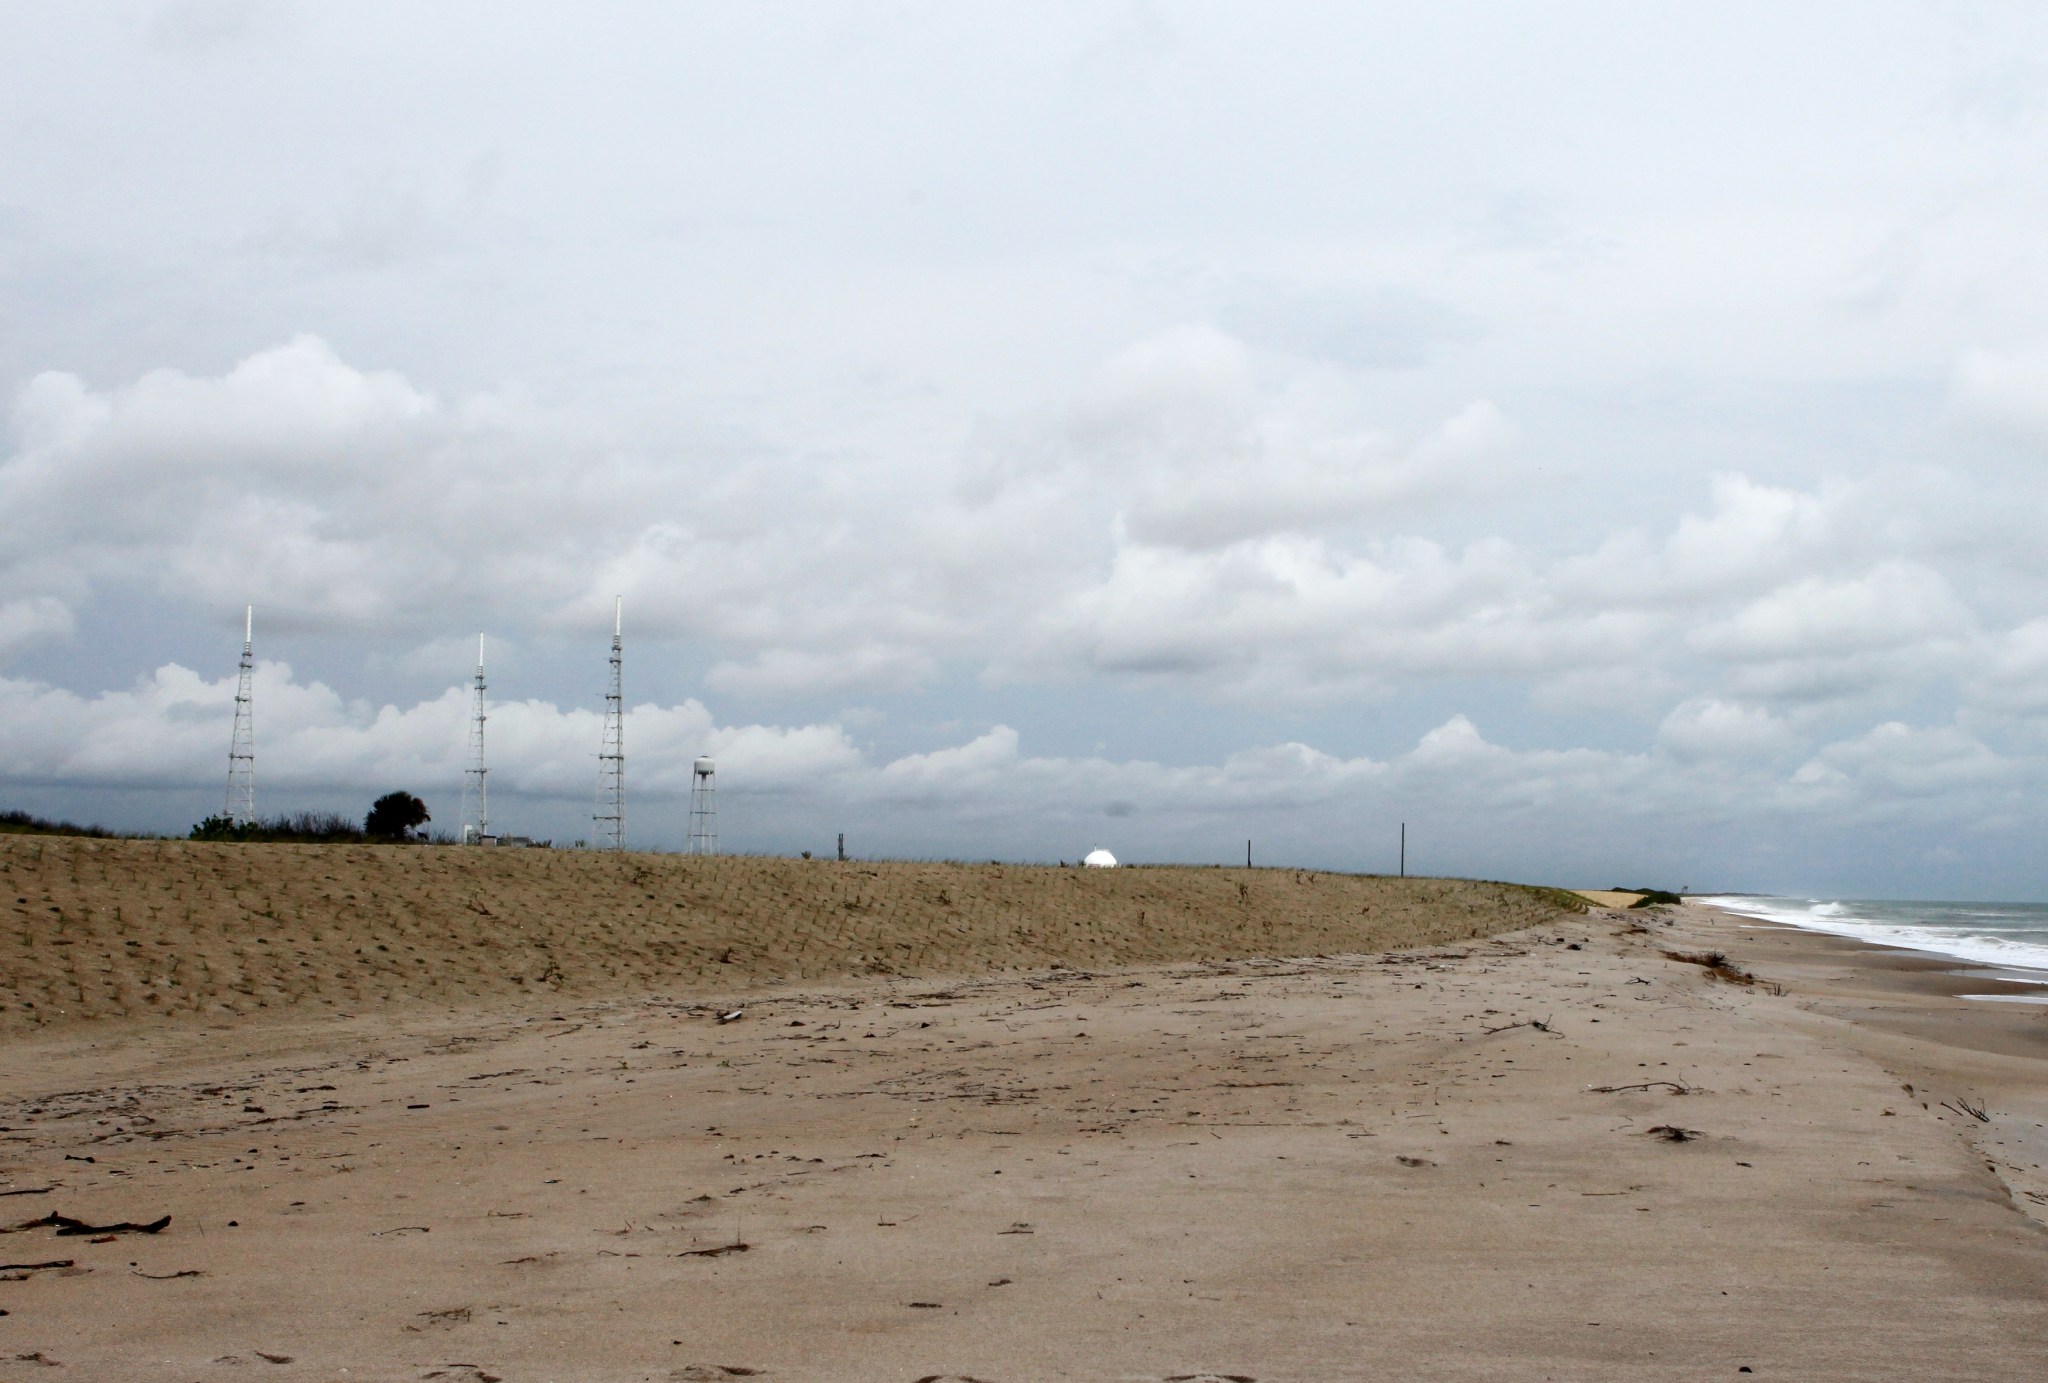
[1612, 438]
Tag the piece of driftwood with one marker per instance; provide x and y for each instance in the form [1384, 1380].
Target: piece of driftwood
[35, 1267]
[716, 1252]
[1672, 1133]
[1540, 1024]
[1961, 1105]
[65, 1226]
[1676, 1087]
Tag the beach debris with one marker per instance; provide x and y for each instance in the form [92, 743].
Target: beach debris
[1715, 963]
[927, 1305]
[134, 1271]
[732, 1017]
[1672, 1133]
[1407, 1161]
[30, 1191]
[1676, 1087]
[1539, 1024]
[271, 1358]
[1210, 1378]
[38, 1357]
[710, 1373]
[67, 1227]
[717, 1251]
[1961, 1105]
[446, 1319]
[400, 1229]
[35, 1267]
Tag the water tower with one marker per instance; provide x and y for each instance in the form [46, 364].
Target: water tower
[704, 808]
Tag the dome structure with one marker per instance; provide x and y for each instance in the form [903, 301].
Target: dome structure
[1099, 859]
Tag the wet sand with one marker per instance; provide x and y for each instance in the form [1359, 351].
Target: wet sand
[1341, 1166]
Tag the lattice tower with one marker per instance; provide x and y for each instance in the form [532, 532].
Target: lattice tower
[610, 816]
[476, 797]
[241, 798]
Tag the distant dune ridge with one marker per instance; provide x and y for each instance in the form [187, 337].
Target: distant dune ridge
[128, 928]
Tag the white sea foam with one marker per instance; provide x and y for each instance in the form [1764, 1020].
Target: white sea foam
[1964, 932]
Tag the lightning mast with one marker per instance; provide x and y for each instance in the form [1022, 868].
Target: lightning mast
[476, 798]
[241, 799]
[610, 816]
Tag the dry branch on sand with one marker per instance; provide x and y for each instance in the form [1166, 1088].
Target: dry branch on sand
[1715, 963]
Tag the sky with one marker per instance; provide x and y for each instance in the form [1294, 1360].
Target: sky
[1609, 438]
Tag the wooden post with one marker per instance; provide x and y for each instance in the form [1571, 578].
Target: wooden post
[1404, 849]
[1247, 854]
[842, 847]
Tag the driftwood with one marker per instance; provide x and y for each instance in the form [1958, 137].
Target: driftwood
[166, 1277]
[1676, 1087]
[720, 1251]
[34, 1267]
[30, 1191]
[1961, 1105]
[65, 1225]
[1540, 1024]
[1672, 1133]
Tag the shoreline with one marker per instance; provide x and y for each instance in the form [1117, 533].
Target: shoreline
[1454, 1162]
[1912, 1011]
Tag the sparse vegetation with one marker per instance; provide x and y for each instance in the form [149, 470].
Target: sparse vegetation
[23, 824]
[303, 828]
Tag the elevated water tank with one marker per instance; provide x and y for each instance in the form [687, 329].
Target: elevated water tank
[1099, 859]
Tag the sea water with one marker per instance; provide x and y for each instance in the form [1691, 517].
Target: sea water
[2014, 935]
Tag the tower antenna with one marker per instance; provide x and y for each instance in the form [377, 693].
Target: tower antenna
[610, 816]
[476, 797]
[241, 800]
[704, 808]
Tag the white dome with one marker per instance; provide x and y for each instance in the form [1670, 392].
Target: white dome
[1100, 859]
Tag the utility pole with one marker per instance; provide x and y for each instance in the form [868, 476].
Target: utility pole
[1247, 854]
[241, 799]
[610, 816]
[1404, 849]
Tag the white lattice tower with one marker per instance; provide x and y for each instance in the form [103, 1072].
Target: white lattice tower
[476, 797]
[241, 799]
[610, 816]
[704, 808]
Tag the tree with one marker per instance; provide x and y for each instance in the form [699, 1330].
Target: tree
[394, 816]
[222, 827]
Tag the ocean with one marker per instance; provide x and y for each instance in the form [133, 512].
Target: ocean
[2008, 934]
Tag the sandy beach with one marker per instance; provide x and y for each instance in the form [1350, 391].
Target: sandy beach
[1556, 1152]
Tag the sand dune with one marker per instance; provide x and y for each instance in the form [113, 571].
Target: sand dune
[118, 928]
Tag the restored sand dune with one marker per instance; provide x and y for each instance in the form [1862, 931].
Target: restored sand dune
[119, 928]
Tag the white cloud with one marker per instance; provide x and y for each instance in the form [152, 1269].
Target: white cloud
[1707, 728]
[2007, 388]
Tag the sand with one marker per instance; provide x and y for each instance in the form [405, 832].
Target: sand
[1352, 1165]
[124, 929]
